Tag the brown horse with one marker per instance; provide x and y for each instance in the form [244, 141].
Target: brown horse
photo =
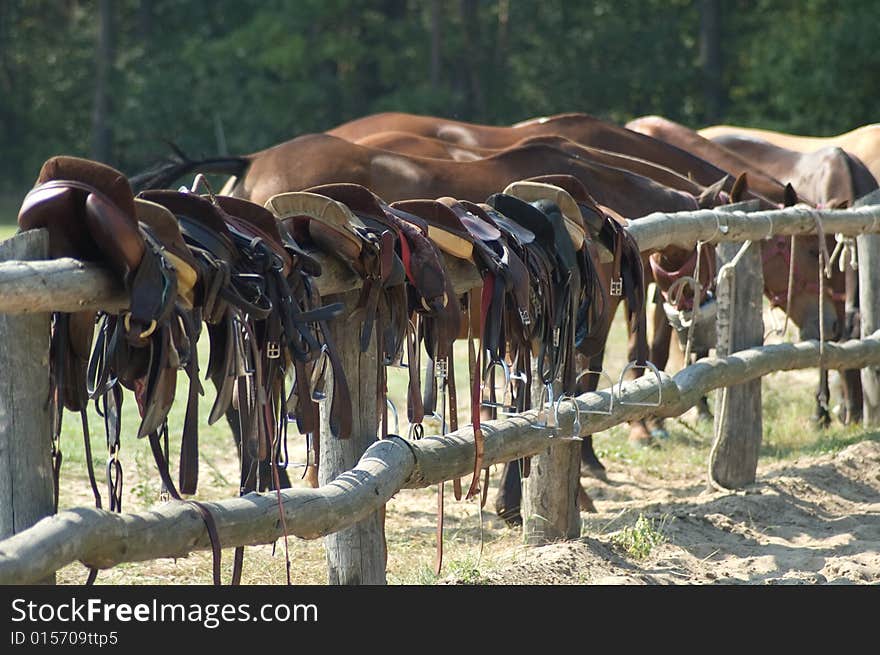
[862, 142]
[580, 128]
[826, 178]
[421, 146]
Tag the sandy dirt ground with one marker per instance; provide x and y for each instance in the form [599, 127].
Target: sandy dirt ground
[814, 520]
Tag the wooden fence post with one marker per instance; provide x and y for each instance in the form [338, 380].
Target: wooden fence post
[740, 325]
[550, 511]
[26, 488]
[869, 308]
[355, 555]
[868, 246]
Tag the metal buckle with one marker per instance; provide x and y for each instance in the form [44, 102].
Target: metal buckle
[645, 367]
[524, 317]
[601, 374]
[616, 287]
[576, 426]
[273, 350]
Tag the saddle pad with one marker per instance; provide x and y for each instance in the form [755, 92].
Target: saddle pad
[535, 191]
[325, 221]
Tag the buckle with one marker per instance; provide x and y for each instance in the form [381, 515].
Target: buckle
[524, 317]
[616, 287]
[273, 350]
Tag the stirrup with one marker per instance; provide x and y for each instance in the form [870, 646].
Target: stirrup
[548, 420]
[505, 389]
[390, 404]
[576, 426]
[601, 374]
[318, 372]
[647, 366]
[511, 410]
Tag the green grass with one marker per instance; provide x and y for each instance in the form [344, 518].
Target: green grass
[639, 540]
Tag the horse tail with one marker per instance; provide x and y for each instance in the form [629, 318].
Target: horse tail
[164, 173]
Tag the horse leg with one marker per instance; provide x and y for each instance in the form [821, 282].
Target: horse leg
[661, 342]
[851, 380]
[590, 464]
[704, 415]
[638, 431]
[821, 417]
[509, 496]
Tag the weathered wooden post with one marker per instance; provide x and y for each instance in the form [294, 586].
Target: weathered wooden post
[26, 487]
[740, 324]
[868, 246]
[355, 555]
[550, 511]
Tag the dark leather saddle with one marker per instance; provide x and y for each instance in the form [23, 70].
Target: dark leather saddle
[627, 269]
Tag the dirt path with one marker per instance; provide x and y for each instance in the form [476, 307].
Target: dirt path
[815, 520]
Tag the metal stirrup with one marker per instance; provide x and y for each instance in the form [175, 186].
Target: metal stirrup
[601, 374]
[548, 420]
[505, 369]
[647, 366]
[576, 426]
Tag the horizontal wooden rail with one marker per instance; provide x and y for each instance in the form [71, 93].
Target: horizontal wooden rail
[104, 539]
[69, 285]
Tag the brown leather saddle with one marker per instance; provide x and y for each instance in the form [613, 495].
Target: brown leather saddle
[90, 213]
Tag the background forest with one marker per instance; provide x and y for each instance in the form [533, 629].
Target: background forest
[115, 79]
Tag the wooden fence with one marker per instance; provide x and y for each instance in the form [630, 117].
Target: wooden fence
[359, 476]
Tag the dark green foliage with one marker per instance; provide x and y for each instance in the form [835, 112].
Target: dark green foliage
[254, 73]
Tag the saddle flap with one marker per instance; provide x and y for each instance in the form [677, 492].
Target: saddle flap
[522, 234]
[444, 227]
[115, 233]
[478, 226]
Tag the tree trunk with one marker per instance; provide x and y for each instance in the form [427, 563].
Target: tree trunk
[436, 43]
[102, 130]
[711, 59]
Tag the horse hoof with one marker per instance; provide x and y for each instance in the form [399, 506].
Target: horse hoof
[821, 421]
[585, 503]
[656, 429]
[593, 468]
[510, 516]
[659, 433]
